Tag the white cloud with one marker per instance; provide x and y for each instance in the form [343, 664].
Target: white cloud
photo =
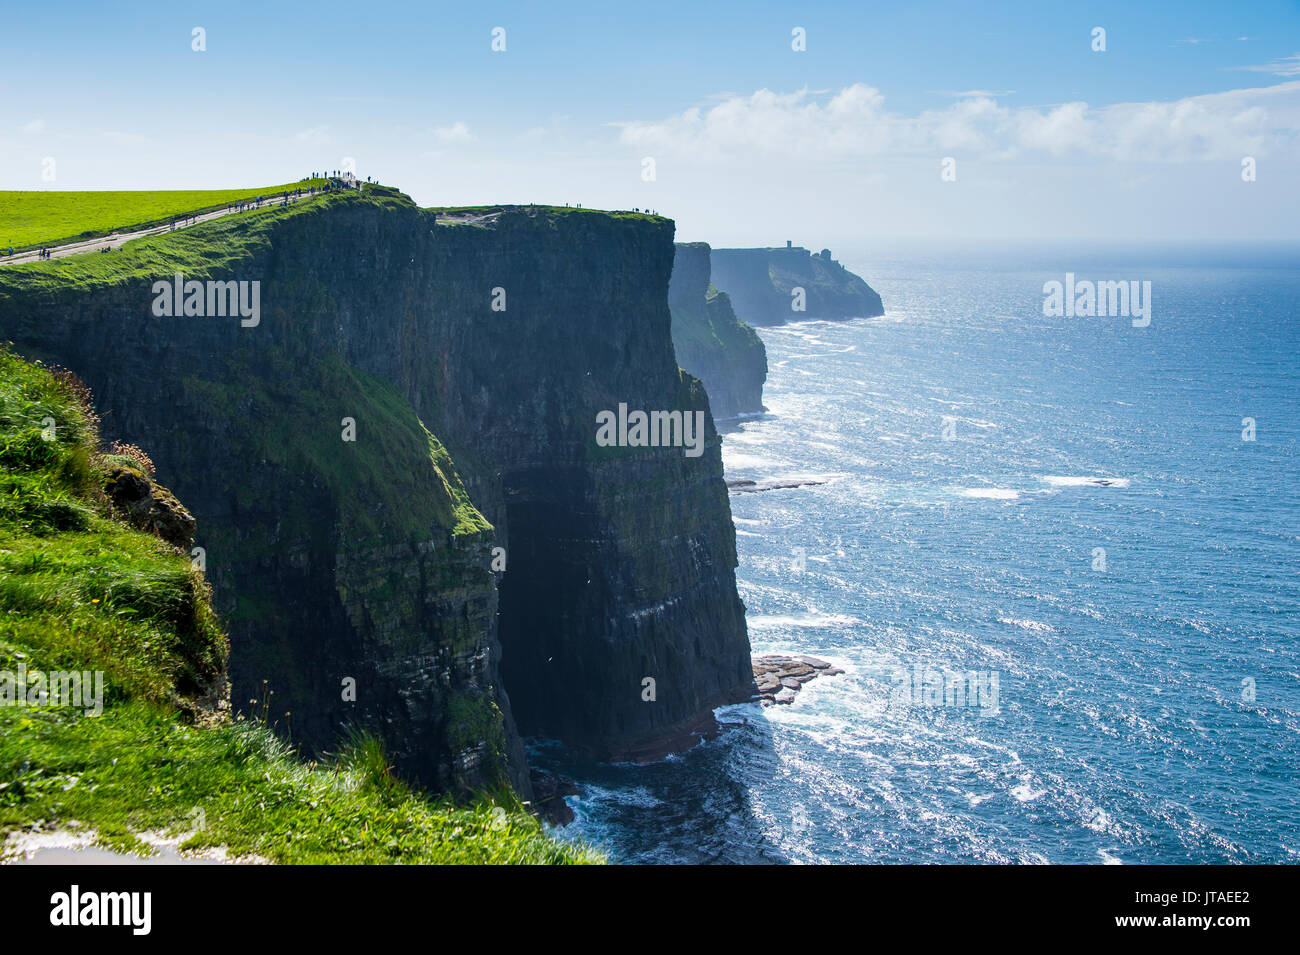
[853, 124]
[35, 126]
[317, 134]
[1287, 66]
[457, 132]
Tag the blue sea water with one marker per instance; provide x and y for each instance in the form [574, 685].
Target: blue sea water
[1148, 712]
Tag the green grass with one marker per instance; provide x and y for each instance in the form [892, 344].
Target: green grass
[80, 590]
[30, 220]
[396, 478]
[136, 770]
[552, 212]
[215, 249]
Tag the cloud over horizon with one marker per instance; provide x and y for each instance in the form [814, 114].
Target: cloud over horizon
[854, 124]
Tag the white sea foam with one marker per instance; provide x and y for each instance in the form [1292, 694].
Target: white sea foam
[825, 477]
[992, 493]
[1033, 625]
[1098, 821]
[738, 459]
[1027, 793]
[1065, 480]
[630, 796]
[778, 621]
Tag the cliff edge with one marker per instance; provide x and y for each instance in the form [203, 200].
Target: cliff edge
[711, 342]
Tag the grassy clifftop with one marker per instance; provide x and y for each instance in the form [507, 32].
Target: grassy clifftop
[209, 250]
[29, 220]
[81, 589]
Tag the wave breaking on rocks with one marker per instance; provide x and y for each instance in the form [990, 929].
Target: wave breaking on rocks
[779, 677]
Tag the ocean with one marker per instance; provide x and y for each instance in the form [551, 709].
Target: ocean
[1071, 508]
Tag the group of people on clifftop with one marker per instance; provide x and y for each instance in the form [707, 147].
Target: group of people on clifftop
[40, 253]
[649, 212]
[340, 179]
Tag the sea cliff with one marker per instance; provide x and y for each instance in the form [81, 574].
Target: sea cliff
[711, 342]
[115, 723]
[404, 514]
[764, 285]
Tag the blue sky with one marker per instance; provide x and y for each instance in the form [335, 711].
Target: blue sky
[750, 139]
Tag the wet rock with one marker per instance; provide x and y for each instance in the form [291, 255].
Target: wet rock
[746, 486]
[778, 677]
[548, 797]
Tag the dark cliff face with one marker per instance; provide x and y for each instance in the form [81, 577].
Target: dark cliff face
[711, 342]
[761, 282]
[372, 560]
[335, 565]
[620, 560]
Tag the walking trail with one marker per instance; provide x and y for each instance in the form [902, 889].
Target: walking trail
[117, 238]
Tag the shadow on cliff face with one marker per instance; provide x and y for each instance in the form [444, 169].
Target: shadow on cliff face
[596, 651]
[621, 558]
[693, 808]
